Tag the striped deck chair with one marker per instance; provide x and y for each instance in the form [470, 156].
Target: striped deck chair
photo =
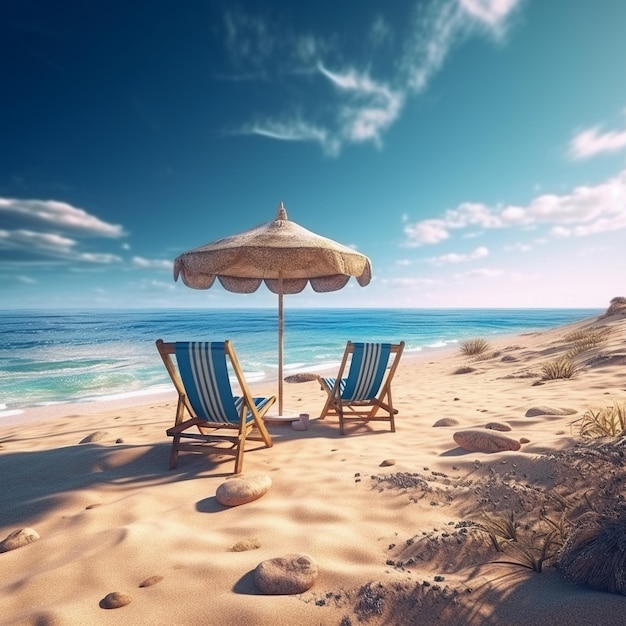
[200, 373]
[367, 387]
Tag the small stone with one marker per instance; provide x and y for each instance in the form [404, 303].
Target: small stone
[115, 600]
[498, 426]
[119, 440]
[483, 441]
[151, 580]
[19, 538]
[246, 544]
[243, 489]
[388, 463]
[294, 573]
[546, 410]
[524, 440]
[99, 434]
[445, 421]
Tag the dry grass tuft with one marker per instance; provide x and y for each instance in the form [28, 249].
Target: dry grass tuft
[594, 554]
[584, 340]
[524, 545]
[474, 347]
[559, 368]
[609, 421]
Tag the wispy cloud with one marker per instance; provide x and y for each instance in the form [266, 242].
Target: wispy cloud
[587, 210]
[49, 229]
[480, 273]
[362, 107]
[152, 264]
[446, 259]
[60, 215]
[594, 141]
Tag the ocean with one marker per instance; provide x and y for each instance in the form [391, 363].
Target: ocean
[52, 357]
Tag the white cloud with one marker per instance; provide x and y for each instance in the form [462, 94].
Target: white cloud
[492, 13]
[362, 108]
[26, 280]
[372, 106]
[28, 239]
[295, 129]
[101, 258]
[480, 273]
[426, 231]
[153, 264]
[445, 259]
[587, 210]
[592, 141]
[59, 215]
[408, 282]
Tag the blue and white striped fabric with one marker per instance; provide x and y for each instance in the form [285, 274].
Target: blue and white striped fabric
[367, 369]
[204, 372]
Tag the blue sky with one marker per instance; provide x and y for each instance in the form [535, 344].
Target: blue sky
[475, 150]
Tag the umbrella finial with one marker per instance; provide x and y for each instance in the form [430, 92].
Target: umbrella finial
[281, 214]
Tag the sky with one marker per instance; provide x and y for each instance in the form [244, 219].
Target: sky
[474, 150]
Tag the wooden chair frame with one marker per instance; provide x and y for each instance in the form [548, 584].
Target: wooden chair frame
[362, 410]
[213, 433]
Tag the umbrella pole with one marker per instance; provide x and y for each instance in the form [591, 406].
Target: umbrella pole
[280, 343]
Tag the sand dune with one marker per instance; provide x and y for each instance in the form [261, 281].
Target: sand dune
[389, 518]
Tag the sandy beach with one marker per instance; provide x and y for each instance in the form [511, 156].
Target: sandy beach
[394, 521]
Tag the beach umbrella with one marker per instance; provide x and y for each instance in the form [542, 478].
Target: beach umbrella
[283, 255]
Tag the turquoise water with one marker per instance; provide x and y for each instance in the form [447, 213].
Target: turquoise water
[71, 356]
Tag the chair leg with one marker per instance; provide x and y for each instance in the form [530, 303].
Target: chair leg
[340, 413]
[174, 452]
[241, 444]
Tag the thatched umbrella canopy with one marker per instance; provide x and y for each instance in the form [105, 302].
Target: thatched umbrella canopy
[283, 255]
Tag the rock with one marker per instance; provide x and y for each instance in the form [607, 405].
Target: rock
[99, 434]
[498, 426]
[546, 410]
[243, 489]
[302, 377]
[294, 573]
[18, 538]
[524, 440]
[151, 580]
[484, 441]
[115, 600]
[388, 463]
[446, 421]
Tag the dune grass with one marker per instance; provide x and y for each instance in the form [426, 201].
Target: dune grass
[608, 421]
[474, 347]
[563, 367]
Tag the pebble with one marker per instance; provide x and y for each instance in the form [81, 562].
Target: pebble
[243, 489]
[446, 421]
[18, 538]
[546, 410]
[498, 426]
[388, 463]
[115, 600]
[99, 434]
[291, 574]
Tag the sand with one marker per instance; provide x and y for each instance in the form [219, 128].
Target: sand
[389, 518]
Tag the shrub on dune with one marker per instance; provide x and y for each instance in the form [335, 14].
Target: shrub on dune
[474, 347]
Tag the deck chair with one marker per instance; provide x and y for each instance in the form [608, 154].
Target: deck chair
[366, 389]
[200, 373]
